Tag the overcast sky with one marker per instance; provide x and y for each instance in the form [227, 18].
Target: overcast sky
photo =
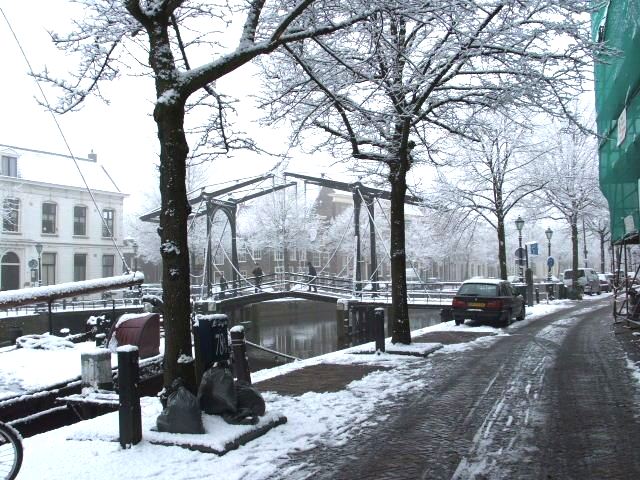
[122, 133]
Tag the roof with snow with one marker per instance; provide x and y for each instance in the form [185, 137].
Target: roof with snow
[58, 169]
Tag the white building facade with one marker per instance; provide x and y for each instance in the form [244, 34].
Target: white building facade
[52, 231]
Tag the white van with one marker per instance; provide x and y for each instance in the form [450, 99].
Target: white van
[587, 279]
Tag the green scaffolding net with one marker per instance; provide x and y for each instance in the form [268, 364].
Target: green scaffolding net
[617, 84]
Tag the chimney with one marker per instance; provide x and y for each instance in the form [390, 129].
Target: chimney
[93, 156]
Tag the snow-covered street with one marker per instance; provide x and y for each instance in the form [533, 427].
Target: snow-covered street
[470, 409]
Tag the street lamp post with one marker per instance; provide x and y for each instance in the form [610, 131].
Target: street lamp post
[549, 233]
[519, 225]
[39, 250]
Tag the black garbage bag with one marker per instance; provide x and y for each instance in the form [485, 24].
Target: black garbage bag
[216, 393]
[181, 412]
[250, 405]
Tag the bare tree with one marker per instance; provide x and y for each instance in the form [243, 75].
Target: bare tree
[488, 177]
[597, 222]
[387, 90]
[570, 171]
[117, 34]
[281, 222]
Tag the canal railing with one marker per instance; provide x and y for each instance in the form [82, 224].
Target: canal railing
[438, 293]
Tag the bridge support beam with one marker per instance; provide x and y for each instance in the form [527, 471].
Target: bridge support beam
[357, 203]
[373, 277]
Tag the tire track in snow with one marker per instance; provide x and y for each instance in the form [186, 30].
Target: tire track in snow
[501, 440]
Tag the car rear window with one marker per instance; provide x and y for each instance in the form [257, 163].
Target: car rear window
[479, 289]
[568, 274]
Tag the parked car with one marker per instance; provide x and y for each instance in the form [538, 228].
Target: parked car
[587, 279]
[487, 300]
[605, 282]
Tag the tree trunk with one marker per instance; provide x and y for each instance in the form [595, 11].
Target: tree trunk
[574, 252]
[174, 247]
[602, 258]
[502, 249]
[401, 331]
[169, 117]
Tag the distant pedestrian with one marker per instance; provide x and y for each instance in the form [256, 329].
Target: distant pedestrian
[313, 277]
[223, 285]
[257, 273]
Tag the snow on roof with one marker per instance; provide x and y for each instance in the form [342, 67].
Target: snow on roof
[58, 169]
[25, 296]
[493, 281]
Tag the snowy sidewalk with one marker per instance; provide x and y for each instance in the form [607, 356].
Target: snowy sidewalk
[326, 400]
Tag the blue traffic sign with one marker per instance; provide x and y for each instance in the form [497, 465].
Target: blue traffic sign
[550, 262]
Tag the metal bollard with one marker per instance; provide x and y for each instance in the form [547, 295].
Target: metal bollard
[100, 339]
[240, 361]
[129, 413]
[537, 295]
[379, 329]
[212, 343]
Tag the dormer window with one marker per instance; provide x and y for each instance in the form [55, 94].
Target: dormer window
[9, 167]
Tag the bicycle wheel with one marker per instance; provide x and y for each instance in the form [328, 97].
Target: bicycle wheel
[10, 452]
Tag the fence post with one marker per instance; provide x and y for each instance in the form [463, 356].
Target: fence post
[130, 417]
[240, 361]
[379, 329]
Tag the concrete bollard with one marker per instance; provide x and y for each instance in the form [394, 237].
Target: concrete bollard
[379, 329]
[239, 348]
[129, 412]
[96, 369]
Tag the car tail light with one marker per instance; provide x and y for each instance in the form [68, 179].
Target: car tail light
[457, 303]
[497, 304]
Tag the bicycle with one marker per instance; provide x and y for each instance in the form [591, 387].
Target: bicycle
[10, 452]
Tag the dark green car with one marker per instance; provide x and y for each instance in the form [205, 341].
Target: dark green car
[487, 300]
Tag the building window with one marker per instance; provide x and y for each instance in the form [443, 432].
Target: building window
[48, 269]
[79, 220]
[10, 272]
[79, 267]
[292, 254]
[10, 215]
[242, 254]
[9, 166]
[315, 259]
[279, 255]
[108, 261]
[49, 218]
[257, 254]
[218, 257]
[302, 255]
[279, 269]
[107, 223]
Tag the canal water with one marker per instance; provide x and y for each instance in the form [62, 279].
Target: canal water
[304, 328]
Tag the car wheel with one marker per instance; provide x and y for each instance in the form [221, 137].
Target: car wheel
[458, 321]
[523, 312]
[506, 319]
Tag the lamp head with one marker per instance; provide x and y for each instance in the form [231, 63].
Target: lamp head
[39, 248]
[519, 223]
[549, 233]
